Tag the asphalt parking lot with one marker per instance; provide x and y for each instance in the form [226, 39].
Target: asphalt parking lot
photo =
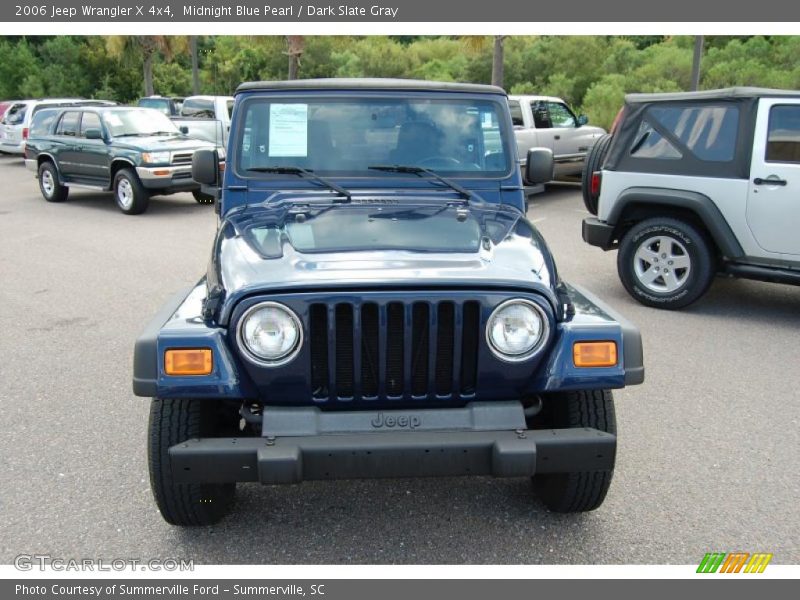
[708, 456]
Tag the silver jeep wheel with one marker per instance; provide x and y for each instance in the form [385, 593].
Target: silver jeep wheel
[662, 264]
[48, 184]
[125, 193]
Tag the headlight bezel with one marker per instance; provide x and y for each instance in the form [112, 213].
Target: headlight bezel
[254, 358]
[536, 348]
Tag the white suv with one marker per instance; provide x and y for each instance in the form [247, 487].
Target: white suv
[698, 183]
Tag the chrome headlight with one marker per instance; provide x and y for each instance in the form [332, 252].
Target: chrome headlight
[516, 330]
[152, 158]
[270, 334]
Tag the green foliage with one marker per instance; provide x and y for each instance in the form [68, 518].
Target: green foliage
[593, 73]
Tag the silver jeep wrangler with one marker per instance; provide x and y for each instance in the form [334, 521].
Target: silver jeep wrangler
[693, 184]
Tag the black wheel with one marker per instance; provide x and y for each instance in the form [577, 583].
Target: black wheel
[202, 198]
[578, 491]
[49, 185]
[129, 193]
[594, 161]
[665, 263]
[172, 422]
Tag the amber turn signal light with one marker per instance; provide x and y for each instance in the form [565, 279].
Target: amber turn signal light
[188, 361]
[594, 354]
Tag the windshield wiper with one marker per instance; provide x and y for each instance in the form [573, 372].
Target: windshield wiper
[131, 134]
[467, 194]
[305, 173]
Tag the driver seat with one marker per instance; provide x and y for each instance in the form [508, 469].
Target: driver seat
[416, 141]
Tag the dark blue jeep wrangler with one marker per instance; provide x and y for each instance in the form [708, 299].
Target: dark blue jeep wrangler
[377, 305]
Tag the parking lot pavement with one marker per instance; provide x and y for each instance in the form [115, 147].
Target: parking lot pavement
[708, 448]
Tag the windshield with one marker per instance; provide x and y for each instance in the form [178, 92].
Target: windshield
[135, 122]
[346, 136]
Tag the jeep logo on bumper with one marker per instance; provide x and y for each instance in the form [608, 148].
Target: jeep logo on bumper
[402, 421]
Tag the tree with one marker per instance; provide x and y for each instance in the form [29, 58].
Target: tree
[146, 47]
[477, 44]
[698, 54]
[195, 65]
[296, 45]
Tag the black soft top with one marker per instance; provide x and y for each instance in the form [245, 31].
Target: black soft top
[720, 94]
[370, 84]
[737, 136]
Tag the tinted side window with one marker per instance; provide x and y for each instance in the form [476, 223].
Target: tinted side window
[516, 113]
[783, 137]
[90, 120]
[709, 132]
[648, 143]
[42, 122]
[16, 114]
[561, 115]
[69, 124]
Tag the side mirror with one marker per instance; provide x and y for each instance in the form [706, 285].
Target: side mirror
[94, 134]
[205, 167]
[184, 129]
[582, 120]
[540, 165]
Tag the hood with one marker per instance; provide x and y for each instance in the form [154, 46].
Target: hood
[155, 143]
[376, 243]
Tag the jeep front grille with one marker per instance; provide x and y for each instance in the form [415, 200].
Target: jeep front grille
[393, 350]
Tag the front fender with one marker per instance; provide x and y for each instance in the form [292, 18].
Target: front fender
[592, 320]
[179, 324]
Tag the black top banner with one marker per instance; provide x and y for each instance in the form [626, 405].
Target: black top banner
[411, 11]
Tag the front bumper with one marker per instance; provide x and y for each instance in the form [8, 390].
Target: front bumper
[172, 178]
[482, 438]
[598, 233]
[269, 460]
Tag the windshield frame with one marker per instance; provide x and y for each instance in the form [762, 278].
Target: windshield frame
[504, 126]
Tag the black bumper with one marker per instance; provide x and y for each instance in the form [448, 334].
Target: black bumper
[598, 233]
[289, 459]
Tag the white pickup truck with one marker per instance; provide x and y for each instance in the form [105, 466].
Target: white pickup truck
[547, 122]
[206, 118]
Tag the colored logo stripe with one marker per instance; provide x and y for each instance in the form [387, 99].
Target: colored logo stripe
[758, 562]
[721, 562]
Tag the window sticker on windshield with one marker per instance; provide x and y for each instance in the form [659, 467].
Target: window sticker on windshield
[288, 130]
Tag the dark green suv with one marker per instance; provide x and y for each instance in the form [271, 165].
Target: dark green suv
[134, 152]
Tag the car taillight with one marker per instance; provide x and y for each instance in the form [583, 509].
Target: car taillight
[24, 133]
[596, 179]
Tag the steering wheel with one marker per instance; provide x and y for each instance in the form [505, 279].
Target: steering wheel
[444, 161]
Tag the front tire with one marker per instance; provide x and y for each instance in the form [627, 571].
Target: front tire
[51, 188]
[665, 263]
[129, 193]
[577, 491]
[185, 504]
[202, 198]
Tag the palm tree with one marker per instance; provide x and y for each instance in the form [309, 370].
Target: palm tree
[698, 55]
[146, 46]
[195, 65]
[478, 44]
[296, 44]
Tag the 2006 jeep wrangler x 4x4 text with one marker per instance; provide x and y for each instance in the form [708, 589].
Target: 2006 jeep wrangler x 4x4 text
[377, 305]
[698, 183]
